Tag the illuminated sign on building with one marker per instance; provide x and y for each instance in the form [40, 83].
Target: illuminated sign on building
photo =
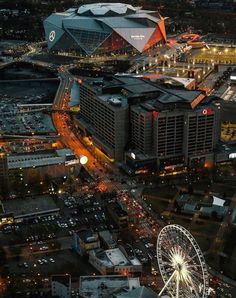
[207, 111]
[155, 114]
[52, 35]
[72, 162]
[137, 37]
[133, 155]
[232, 155]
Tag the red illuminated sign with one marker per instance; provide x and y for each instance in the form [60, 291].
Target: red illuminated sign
[207, 111]
[155, 114]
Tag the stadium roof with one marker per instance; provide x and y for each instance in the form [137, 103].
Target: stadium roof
[101, 9]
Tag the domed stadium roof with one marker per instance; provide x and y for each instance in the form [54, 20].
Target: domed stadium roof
[102, 9]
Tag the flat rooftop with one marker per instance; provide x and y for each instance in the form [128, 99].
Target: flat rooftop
[107, 237]
[95, 286]
[87, 235]
[62, 279]
[114, 257]
[141, 292]
[23, 207]
[47, 157]
[128, 90]
[115, 207]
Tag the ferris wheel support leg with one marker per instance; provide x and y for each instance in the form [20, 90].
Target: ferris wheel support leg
[177, 286]
[194, 289]
[168, 281]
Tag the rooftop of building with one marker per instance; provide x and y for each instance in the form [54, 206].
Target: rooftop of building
[115, 207]
[64, 279]
[114, 257]
[107, 237]
[44, 157]
[30, 206]
[141, 292]
[87, 235]
[105, 286]
[102, 9]
[158, 95]
[106, 10]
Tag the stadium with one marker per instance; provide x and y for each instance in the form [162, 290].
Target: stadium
[104, 28]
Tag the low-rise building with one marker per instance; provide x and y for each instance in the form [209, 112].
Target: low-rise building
[106, 286]
[114, 261]
[140, 292]
[32, 207]
[34, 167]
[107, 239]
[84, 241]
[118, 214]
[61, 286]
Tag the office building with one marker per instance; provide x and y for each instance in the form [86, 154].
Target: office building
[145, 125]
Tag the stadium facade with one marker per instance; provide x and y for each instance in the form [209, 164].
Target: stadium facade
[104, 28]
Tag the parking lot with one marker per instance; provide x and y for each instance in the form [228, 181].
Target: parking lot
[14, 119]
[47, 263]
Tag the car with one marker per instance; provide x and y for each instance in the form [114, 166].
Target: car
[40, 262]
[52, 260]
[25, 265]
[44, 261]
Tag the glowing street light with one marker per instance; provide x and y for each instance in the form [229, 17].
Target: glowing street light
[83, 159]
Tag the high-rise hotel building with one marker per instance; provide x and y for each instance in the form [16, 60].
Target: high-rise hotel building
[142, 123]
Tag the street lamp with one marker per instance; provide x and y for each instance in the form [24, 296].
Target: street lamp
[83, 159]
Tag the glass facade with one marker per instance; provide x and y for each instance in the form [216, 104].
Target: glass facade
[89, 40]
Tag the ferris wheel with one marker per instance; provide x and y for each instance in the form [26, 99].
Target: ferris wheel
[181, 264]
